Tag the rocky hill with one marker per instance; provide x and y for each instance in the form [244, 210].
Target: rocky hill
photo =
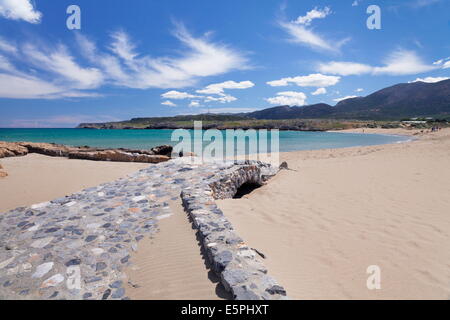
[405, 100]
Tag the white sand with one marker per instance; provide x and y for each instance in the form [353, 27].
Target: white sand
[342, 210]
[36, 178]
[172, 266]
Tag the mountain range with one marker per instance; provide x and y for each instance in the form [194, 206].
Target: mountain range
[405, 100]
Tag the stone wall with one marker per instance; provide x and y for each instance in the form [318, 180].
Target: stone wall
[239, 267]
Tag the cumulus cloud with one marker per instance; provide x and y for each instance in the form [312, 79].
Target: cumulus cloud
[218, 88]
[344, 98]
[312, 80]
[300, 33]
[19, 10]
[177, 95]
[168, 103]
[222, 98]
[290, 98]
[399, 62]
[319, 91]
[211, 93]
[194, 104]
[430, 79]
[313, 14]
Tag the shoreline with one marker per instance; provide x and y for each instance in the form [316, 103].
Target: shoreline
[107, 167]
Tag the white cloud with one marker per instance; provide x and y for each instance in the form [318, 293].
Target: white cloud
[28, 87]
[430, 79]
[223, 98]
[63, 64]
[126, 67]
[5, 65]
[300, 33]
[177, 95]
[399, 62]
[291, 98]
[19, 10]
[51, 81]
[344, 98]
[344, 68]
[194, 103]
[168, 103]
[359, 90]
[7, 46]
[122, 46]
[228, 110]
[312, 80]
[212, 93]
[57, 73]
[217, 88]
[403, 62]
[313, 14]
[443, 63]
[355, 3]
[319, 91]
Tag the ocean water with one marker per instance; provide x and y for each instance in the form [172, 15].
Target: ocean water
[145, 139]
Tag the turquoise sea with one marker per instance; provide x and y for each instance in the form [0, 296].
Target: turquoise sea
[145, 139]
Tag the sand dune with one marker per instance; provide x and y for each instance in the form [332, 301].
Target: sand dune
[336, 212]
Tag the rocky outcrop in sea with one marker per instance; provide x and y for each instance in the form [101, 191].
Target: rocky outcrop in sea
[154, 155]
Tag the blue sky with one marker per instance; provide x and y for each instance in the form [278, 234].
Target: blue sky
[158, 58]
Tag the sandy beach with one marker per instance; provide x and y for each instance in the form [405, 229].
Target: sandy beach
[161, 269]
[336, 212]
[35, 178]
[320, 224]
